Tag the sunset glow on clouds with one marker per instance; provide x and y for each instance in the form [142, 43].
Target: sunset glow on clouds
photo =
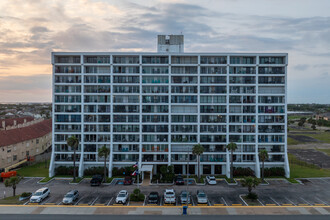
[31, 29]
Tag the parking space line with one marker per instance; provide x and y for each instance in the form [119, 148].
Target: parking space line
[92, 203]
[45, 201]
[29, 179]
[59, 203]
[26, 202]
[109, 201]
[260, 202]
[290, 201]
[78, 200]
[224, 201]
[305, 201]
[208, 202]
[321, 201]
[274, 201]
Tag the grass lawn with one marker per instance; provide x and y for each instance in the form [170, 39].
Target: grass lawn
[292, 141]
[12, 200]
[301, 169]
[35, 170]
[327, 151]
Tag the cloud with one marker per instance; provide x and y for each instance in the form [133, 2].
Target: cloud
[301, 67]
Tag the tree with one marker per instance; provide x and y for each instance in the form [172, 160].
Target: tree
[197, 151]
[300, 123]
[250, 182]
[313, 127]
[104, 152]
[231, 147]
[263, 155]
[12, 182]
[73, 142]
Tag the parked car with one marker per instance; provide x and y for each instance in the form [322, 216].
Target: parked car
[184, 196]
[96, 180]
[169, 196]
[122, 197]
[201, 197]
[70, 197]
[179, 180]
[128, 180]
[40, 195]
[211, 180]
[153, 198]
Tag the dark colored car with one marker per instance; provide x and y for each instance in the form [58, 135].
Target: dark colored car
[96, 180]
[179, 180]
[128, 180]
[153, 198]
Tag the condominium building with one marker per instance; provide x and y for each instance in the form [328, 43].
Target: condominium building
[152, 108]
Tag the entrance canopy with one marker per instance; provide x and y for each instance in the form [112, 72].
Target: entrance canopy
[146, 168]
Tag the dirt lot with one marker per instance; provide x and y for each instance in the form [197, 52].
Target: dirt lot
[302, 138]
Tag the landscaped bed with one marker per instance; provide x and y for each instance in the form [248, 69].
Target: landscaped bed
[251, 202]
[35, 170]
[12, 200]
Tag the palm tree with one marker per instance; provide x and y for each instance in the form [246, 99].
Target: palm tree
[231, 147]
[73, 142]
[197, 150]
[250, 182]
[12, 182]
[263, 155]
[104, 152]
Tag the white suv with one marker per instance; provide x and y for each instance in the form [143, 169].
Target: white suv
[122, 197]
[169, 196]
[40, 195]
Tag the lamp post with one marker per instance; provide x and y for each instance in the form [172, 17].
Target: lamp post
[187, 177]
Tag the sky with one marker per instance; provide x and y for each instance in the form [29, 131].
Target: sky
[31, 29]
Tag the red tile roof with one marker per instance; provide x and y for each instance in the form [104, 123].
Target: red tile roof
[18, 135]
[10, 121]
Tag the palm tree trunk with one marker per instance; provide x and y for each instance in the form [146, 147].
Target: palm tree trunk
[105, 168]
[263, 170]
[14, 190]
[198, 169]
[232, 167]
[74, 164]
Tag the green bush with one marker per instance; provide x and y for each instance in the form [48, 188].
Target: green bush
[94, 171]
[26, 194]
[137, 196]
[274, 171]
[136, 191]
[240, 171]
[252, 196]
[120, 171]
[64, 170]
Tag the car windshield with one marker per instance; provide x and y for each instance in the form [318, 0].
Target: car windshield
[212, 178]
[122, 195]
[170, 193]
[202, 195]
[153, 196]
[38, 194]
[70, 195]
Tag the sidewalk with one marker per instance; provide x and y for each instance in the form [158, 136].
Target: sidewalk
[126, 210]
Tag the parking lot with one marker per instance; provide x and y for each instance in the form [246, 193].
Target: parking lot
[312, 191]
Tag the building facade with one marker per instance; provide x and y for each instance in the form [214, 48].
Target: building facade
[23, 140]
[152, 108]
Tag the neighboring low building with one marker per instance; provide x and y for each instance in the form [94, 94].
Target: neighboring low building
[22, 138]
[325, 116]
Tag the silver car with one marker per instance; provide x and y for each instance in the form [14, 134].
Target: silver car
[70, 197]
[201, 197]
[183, 197]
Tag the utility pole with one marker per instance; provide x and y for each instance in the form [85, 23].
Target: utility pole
[187, 177]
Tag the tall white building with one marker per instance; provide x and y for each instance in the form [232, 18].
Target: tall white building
[152, 108]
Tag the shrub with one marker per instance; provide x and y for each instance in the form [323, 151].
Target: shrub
[274, 171]
[252, 196]
[137, 196]
[122, 171]
[64, 170]
[136, 191]
[26, 194]
[94, 171]
[239, 171]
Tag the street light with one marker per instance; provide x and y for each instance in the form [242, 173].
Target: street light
[187, 177]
